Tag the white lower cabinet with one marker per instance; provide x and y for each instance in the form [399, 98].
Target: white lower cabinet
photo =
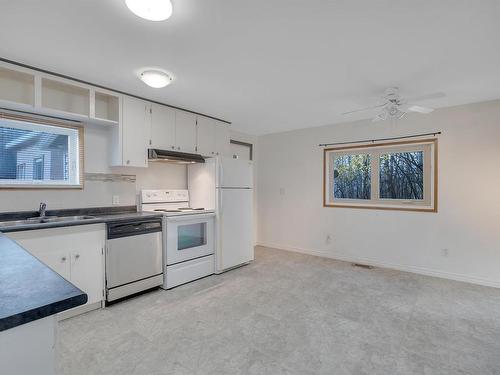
[76, 253]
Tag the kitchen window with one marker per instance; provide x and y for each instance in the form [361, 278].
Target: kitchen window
[397, 175]
[36, 153]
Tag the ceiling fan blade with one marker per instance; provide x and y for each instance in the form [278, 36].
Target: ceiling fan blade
[363, 109]
[435, 95]
[419, 109]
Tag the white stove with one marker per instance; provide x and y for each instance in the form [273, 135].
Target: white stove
[169, 202]
[188, 236]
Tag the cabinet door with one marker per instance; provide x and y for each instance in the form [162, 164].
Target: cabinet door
[185, 131]
[135, 130]
[57, 260]
[162, 127]
[205, 136]
[87, 269]
[58, 248]
[43, 249]
[222, 139]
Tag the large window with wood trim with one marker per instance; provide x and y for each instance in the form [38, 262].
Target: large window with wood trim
[396, 175]
[36, 153]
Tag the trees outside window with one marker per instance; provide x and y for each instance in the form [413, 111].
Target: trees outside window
[398, 175]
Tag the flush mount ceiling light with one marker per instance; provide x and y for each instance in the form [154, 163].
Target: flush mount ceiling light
[156, 78]
[153, 10]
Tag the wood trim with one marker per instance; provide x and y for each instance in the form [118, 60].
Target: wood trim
[61, 124]
[375, 207]
[434, 209]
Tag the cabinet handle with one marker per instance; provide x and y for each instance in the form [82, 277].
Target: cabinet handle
[173, 147]
[77, 256]
[63, 259]
[212, 152]
[128, 161]
[178, 148]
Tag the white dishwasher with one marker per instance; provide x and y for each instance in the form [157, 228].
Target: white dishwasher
[134, 257]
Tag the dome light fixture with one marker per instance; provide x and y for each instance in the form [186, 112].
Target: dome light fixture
[156, 78]
[152, 10]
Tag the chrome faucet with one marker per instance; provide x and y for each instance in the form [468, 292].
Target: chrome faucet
[42, 209]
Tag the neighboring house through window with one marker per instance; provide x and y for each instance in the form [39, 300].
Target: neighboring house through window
[36, 154]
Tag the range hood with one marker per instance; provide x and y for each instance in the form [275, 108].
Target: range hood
[155, 154]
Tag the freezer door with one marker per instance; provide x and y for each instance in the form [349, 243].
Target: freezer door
[235, 231]
[235, 173]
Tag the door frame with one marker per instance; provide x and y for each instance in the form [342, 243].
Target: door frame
[240, 143]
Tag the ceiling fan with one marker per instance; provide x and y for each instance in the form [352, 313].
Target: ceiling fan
[395, 106]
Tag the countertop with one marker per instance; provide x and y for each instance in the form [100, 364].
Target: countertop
[101, 214]
[29, 290]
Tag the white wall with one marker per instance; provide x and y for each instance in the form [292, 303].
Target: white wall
[467, 223]
[98, 193]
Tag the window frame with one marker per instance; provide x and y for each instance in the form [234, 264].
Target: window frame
[78, 148]
[430, 200]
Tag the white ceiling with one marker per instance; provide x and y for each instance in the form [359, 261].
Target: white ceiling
[268, 66]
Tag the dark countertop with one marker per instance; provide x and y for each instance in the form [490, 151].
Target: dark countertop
[101, 214]
[29, 290]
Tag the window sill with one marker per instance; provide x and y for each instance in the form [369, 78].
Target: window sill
[386, 207]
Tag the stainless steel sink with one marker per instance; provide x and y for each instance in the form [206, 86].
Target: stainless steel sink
[45, 219]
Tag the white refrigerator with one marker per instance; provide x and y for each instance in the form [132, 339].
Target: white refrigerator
[226, 185]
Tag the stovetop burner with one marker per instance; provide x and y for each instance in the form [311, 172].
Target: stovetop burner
[179, 209]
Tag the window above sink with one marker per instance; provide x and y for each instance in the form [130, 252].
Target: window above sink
[39, 154]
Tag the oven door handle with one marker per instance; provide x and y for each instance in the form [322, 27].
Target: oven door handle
[180, 218]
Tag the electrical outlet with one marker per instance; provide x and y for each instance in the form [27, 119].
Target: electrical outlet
[445, 252]
[116, 199]
[282, 191]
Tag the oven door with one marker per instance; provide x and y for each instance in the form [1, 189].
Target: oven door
[189, 237]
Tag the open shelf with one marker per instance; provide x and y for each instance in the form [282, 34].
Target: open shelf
[106, 107]
[17, 87]
[65, 97]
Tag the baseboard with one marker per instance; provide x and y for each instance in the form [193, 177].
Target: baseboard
[375, 263]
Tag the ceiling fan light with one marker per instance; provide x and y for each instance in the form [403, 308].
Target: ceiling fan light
[156, 78]
[152, 10]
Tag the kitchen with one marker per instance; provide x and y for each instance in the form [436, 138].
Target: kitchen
[213, 187]
[152, 196]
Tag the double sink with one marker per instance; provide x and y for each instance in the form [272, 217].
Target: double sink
[45, 219]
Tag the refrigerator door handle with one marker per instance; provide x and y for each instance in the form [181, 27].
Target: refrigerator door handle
[221, 174]
[220, 201]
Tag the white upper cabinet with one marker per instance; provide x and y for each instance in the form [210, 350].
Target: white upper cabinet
[46, 94]
[222, 138]
[162, 127]
[205, 144]
[185, 132]
[135, 129]
[17, 87]
[104, 106]
[65, 97]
